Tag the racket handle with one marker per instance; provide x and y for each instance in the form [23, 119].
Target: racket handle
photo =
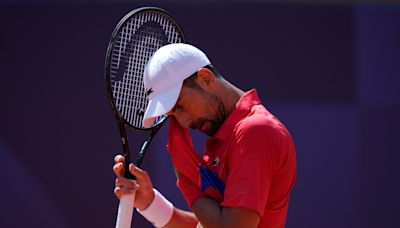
[125, 211]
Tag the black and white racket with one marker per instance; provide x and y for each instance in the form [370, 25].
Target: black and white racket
[136, 37]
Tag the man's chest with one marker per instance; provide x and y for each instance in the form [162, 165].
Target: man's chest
[217, 156]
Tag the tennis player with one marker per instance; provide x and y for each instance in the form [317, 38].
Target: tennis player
[248, 169]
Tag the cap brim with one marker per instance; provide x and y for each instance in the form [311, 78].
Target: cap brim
[160, 104]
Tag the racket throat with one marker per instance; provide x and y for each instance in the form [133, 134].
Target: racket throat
[125, 148]
[145, 146]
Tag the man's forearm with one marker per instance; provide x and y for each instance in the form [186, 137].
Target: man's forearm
[207, 208]
[182, 219]
[211, 214]
[208, 212]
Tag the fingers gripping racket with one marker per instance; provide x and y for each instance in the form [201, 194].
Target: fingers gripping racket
[136, 37]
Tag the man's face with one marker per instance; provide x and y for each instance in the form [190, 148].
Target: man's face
[199, 109]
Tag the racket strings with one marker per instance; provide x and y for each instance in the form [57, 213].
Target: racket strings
[132, 89]
[138, 40]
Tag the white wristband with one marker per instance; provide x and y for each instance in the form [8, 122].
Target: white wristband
[160, 210]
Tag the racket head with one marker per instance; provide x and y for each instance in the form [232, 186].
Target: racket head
[134, 40]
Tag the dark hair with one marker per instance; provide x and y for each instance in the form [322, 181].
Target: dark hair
[191, 80]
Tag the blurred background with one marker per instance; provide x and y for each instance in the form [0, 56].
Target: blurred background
[327, 69]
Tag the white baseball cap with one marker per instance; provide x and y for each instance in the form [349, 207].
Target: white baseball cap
[164, 75]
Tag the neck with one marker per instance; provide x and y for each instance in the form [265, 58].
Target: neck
[229, 95]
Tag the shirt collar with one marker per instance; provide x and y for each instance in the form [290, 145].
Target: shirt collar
[241, 110]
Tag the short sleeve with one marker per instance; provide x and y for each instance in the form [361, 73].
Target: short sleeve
[251, 165]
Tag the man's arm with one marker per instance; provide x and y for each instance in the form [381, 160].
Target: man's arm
[206, 210]
[182, 219]
[211, 214]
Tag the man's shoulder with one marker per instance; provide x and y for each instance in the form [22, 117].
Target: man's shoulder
[259, 123]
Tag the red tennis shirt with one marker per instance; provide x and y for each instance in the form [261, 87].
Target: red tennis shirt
[250, 162]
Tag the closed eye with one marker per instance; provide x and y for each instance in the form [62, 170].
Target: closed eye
[178, 108]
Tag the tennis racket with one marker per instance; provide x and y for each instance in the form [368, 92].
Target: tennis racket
[136, 37]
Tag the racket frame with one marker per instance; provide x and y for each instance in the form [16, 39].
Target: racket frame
[122, 124]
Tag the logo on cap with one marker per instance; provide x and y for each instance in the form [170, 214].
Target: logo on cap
[149, 91]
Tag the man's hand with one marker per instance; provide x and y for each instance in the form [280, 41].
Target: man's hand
[123, 186]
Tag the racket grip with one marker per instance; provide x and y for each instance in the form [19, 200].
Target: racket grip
[125, 211]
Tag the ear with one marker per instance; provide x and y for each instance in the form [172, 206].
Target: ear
[205, 78]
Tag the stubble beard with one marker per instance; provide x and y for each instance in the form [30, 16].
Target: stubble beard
[219, 118]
